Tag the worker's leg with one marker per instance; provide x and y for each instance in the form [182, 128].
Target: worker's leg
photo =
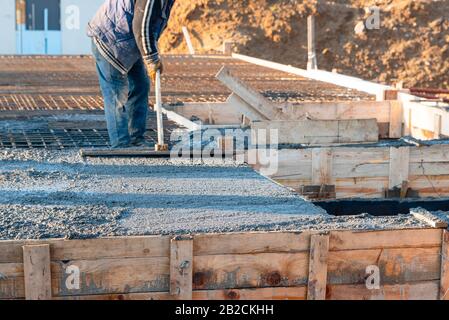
[114, 87]
[137, 105]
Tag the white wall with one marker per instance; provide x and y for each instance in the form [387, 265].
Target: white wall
[7, 27]
[74, 38]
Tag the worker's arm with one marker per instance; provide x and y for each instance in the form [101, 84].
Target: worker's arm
[150, 20]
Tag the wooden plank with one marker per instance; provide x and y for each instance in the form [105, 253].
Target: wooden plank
[181, 266]
[12, 283]
[37, 273]
[251, 243]
[423, 117]
[322, 166]
[313, 132]
[129, 152]
[407, 238]
[396, 119]
[428, 218]
[340, 110]
[250, 270]
[106, 276]
[249, 95]
[444, 282]
[427, 290]
[119, 296]
[402, 265]
[399, 166]
[91, 249]
[319, 247]
[281, 293]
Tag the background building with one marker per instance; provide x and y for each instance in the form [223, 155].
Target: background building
[45, 26]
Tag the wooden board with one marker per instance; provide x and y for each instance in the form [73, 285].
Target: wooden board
[250, 270]
[399, 166]
[251, 243]
[321, 131]
[36, 269]
[403, 265]
[279, 293]
[91, 249]
[104, 276]
[181, 266]
[408, 238]
[253, 98]
[427, 290]
[319, 247]
[444, 282]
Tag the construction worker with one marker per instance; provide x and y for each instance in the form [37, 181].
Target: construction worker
[125, 36]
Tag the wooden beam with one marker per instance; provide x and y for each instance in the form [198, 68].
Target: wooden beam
[399, 166]
[319, 248]
[318, 132]
[428, 218]
[321, 166]
[249, 95]
[181, 266]
[444, 282]
[396, 119]
[37, 274]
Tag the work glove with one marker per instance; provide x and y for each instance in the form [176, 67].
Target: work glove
[153, 67]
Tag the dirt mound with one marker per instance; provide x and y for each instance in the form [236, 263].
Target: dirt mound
[412, 44]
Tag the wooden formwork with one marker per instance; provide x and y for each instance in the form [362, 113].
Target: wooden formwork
[411, 264]
[367, 172]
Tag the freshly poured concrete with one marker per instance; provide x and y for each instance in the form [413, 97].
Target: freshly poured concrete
[57, 194]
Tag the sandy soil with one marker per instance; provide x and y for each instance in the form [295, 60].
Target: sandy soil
[412, 44]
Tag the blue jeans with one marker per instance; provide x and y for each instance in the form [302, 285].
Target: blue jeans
[125, 100]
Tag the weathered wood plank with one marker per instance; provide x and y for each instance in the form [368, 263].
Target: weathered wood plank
[319, 247]
[249, 95]
[395, 265]
[107, 276]
[280, 293]
[181, 266]
[399, 166]
[321, 131]
[322, 166]
[444, 282]
[251, 243]
[427, 290]
[408, 238]
[119, 247]
[288, 293]
[396, 119]
[12, 283]
[37, 272]
[250, 270]
[427, 217]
